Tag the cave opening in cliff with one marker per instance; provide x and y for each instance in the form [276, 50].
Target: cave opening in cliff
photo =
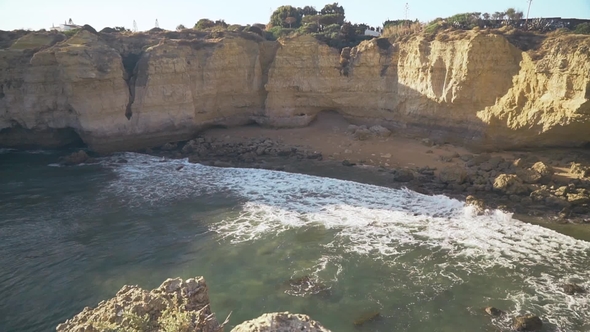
[24, 138]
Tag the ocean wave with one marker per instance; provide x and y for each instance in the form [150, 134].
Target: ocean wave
[384, 224]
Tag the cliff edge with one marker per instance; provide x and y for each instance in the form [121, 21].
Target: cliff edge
[140, 90]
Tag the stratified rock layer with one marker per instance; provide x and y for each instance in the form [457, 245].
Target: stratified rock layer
[140, 90]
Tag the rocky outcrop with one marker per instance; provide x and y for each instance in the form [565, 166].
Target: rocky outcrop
[140, 90]
[280, 322]
[177, 305]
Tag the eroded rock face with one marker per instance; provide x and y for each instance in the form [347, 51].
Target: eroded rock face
[122, 93]
[178, 305]
[280, 322]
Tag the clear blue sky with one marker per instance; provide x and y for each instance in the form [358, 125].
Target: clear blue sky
[37, 14]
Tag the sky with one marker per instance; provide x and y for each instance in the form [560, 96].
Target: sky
[39, 14]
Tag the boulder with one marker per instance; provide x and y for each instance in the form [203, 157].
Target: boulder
[362, 133]
[75, 158]
[578, 197]
[529, 176]
[527, 323]
[579, 170]
[561, 191]
[494, 312]
[453, 175]
[546, 172]
[261, 150]
[478, 204]
[380, 131]
[427, 142]
[539, 195]
[280, 322]
[510, 184]
[403, 175]
[572, 289]
[347, 163]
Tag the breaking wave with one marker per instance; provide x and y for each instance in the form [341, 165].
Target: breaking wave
[436, 239]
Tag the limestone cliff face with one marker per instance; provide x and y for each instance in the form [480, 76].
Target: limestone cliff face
[476, 90]
[479, 90]
[176, 88]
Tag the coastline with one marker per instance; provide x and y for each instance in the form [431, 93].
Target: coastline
[331, 147]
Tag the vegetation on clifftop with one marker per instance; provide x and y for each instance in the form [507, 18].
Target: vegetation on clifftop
[329, 25]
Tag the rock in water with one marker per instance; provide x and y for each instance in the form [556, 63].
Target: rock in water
[495, 312]
[572, 289]
[280, 322]
[175, 303]
[527, 323]
[75, 158]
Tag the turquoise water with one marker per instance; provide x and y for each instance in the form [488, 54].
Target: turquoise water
[71, 237]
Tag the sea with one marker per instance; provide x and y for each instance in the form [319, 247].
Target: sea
[271, 241]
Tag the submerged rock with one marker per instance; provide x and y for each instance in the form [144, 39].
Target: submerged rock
[307, 285]
[366, 318]
[572, 289]
[527, 323]
[280, 322]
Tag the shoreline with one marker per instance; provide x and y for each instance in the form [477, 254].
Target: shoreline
[540, 186]
[531, 184]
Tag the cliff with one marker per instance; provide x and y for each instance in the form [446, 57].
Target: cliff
[117, 92]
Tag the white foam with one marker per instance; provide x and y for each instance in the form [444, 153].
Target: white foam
[6, 150]
[379, 222]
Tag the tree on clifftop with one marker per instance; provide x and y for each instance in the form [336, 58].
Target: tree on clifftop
[309, 11]
[203, 24]
[279, 16]
[333, 9]
[180, 27]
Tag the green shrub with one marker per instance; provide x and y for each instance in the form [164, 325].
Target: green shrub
[433, 27]
[70, 33]
[278, 32]
[203, 24]
[583, 28]
[308, 28]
